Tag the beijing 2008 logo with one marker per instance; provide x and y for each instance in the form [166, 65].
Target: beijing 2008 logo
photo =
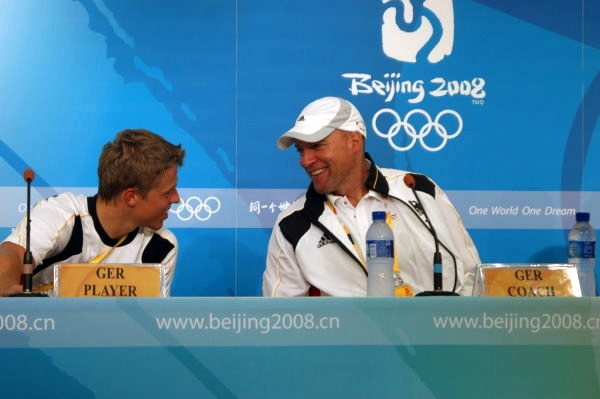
[420, 31]
[417, 31]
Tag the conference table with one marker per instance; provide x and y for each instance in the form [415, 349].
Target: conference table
[250, 347]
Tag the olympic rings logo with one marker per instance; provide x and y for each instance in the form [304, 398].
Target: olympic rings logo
[196, 207]
[420, 132]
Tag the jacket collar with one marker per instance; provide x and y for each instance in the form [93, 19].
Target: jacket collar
[376, 180]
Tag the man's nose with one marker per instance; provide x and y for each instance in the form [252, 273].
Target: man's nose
[175, 197]
[307, 158]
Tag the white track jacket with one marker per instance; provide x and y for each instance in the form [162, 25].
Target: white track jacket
[309, 250]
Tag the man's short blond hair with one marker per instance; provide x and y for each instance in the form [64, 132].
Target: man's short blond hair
[135, 159]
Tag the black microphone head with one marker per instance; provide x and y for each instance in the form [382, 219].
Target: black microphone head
[409, 180]
[28, 175]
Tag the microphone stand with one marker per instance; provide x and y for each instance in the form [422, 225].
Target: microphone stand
[28, 257]
[409, 180]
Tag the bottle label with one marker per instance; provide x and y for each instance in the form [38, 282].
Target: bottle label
[582, 249]
[380, 249]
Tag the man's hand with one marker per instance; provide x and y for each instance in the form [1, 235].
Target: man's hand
[15, 289]
[11, 268]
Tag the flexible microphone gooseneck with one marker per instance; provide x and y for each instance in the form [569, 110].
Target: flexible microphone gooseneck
[28, 175]
[410, 182]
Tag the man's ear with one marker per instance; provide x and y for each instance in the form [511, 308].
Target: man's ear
[130, 196]
[357, 141]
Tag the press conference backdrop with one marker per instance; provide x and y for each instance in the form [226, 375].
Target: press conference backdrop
[497, 101]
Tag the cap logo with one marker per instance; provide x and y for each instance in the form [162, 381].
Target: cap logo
[361, 125]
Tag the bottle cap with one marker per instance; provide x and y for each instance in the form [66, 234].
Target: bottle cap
[379, 215]
[582, 216]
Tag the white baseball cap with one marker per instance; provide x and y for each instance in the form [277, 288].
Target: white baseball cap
[320, 118]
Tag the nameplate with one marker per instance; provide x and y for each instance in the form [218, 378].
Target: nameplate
[109, 280]
[527, 280]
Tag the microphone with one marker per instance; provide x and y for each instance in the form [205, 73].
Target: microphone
[409, 180]
[28, 175]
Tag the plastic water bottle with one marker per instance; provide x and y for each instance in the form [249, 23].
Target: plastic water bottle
[380, 257]
[582, 252]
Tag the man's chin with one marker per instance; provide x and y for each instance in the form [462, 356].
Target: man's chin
[154, 226]
[320, 189]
